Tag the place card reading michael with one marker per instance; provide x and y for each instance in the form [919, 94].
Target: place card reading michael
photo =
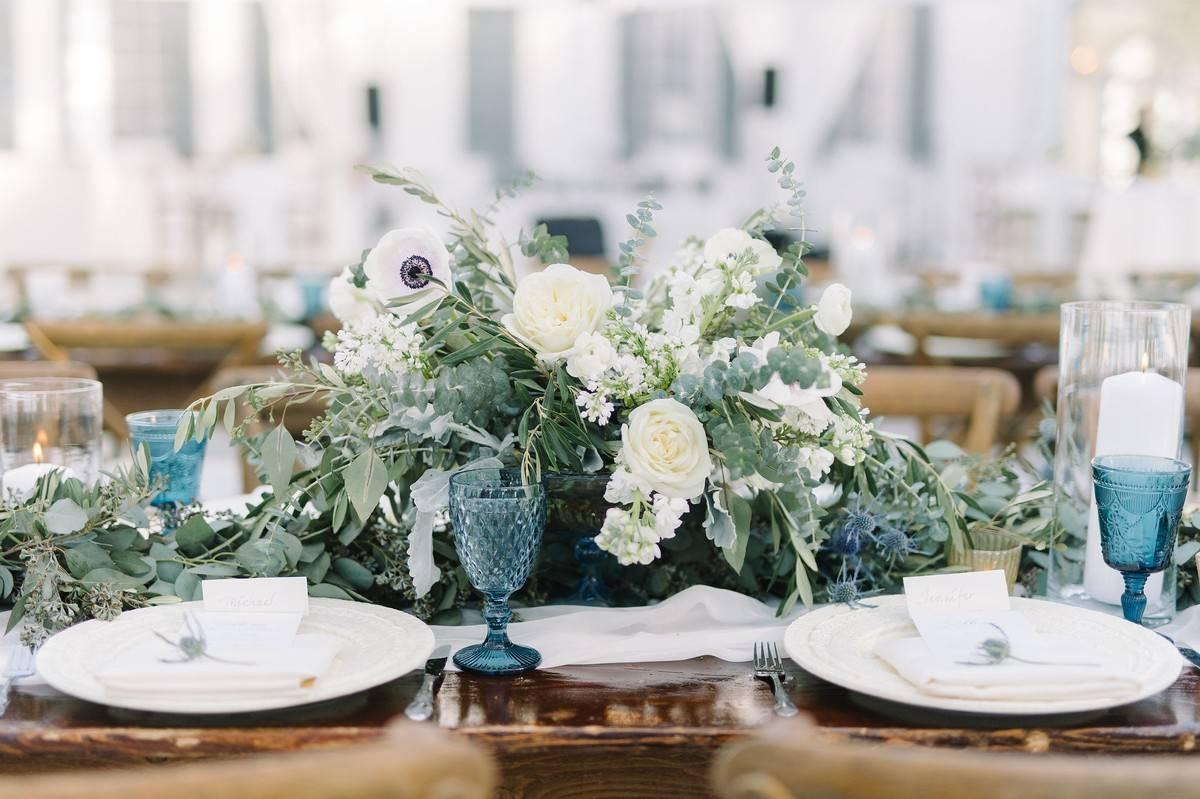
[257, 595]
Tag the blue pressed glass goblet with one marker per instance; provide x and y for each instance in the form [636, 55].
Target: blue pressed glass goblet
[498, 521]
[178, 471]
[1139, 499]
[575, 507]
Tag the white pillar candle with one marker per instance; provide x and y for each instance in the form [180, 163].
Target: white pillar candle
[1141, 413]
[21, 481]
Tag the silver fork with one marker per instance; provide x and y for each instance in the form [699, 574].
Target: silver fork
[20, 664]
[768, 666]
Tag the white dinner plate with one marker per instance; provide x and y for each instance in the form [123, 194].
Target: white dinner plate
[837, 644]
[378, 645]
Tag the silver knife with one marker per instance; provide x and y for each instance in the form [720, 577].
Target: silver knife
[421, 707]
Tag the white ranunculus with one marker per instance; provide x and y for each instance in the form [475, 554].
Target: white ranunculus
[553, 307]
[833, 311]
[665, 449]
[768, 260]
[790, 396]
[726, 245]
[349, 303]
[404, 260]
[592, 355]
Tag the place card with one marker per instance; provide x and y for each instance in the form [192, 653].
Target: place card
[257, 595]
[233, 634]
[956, 613]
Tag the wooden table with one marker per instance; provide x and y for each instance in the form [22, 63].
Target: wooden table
[585, 731]
[148, 363]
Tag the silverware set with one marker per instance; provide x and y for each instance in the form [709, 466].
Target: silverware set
[421, 706]
[769, 666]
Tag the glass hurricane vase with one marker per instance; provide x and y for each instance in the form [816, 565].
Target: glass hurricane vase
[575, 508]
[498, 521]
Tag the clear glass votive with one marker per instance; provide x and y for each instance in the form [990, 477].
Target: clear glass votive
[179, 470]
[50, 422]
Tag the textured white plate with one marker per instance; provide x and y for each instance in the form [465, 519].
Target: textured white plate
[837, 644]
[379, 645]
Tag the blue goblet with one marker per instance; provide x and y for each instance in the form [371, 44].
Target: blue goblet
[177, 471]
[1139, 499]
[498, 520]
[575, 507]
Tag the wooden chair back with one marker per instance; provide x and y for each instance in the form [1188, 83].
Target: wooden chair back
[792, 760]
[298, 417]
[981, 397]
[412, 761]
[15, 370]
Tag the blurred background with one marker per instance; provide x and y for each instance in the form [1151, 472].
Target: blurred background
[176, 184]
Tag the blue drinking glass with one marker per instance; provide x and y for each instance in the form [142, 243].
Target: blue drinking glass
[575, 507]
[1139, 499]
[178, 472]
[498, 521]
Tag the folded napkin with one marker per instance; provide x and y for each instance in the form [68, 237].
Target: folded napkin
[294, 669]
[1062, 672]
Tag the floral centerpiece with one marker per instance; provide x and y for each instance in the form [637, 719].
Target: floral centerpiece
[720, 407]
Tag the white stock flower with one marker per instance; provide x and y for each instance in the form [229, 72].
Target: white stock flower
[628, 538]
[851, 437]
[668, 513]
[815, 460]
[665, 448]
[382, 345]
[591, 357]
[621, 487]
[834, 311]
[349, 303]
[595, 406]
[553, 307]
[742, 296]
[404, 260]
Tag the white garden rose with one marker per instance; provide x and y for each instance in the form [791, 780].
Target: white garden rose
[725, 246]
[552, 308]
[403, 262]
[833, 311]
[349, 303]
[665, 449]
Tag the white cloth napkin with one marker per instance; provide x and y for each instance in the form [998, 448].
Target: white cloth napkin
[1011, 680]
[697, 621]
[141, 669]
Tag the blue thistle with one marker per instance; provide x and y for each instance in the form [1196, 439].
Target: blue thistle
[848, 539]
[893, 544]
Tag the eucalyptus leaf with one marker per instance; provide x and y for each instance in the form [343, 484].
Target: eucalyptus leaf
[279, 457]
[366, 479]
[65, 517]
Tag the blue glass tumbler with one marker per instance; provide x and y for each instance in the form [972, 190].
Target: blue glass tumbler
[498, 521]
[1139, 499]
[177, 471]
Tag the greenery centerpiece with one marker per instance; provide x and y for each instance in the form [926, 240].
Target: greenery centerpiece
[722, 408]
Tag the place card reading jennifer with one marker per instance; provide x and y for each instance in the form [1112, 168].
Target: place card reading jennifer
[257, 595]
[956, 613]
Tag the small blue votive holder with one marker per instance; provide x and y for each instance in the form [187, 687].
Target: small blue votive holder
[177, 471]
[1139, 500]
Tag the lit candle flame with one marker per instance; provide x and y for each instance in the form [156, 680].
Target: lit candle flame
[1145, 361]
[38, 455]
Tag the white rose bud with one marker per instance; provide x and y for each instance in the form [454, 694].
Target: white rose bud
[664, 448]
[833, 311]
[553, 307]
[349, 303]
[591, 356]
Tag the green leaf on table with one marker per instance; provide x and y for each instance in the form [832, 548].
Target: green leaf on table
[194, 536]
[6, 582]
[117, 538]
[85, 557]
[353, 572]
[327, 591]
[278, 457]
[114, 578]
[316, 571]
[168, 571]
[133, 564]
[18, 613]
[739, 510]
[261, 558]
[215, 570]
[293, 548]
[340, 506]
[366, 479]
[187, 587]
[65, 517]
